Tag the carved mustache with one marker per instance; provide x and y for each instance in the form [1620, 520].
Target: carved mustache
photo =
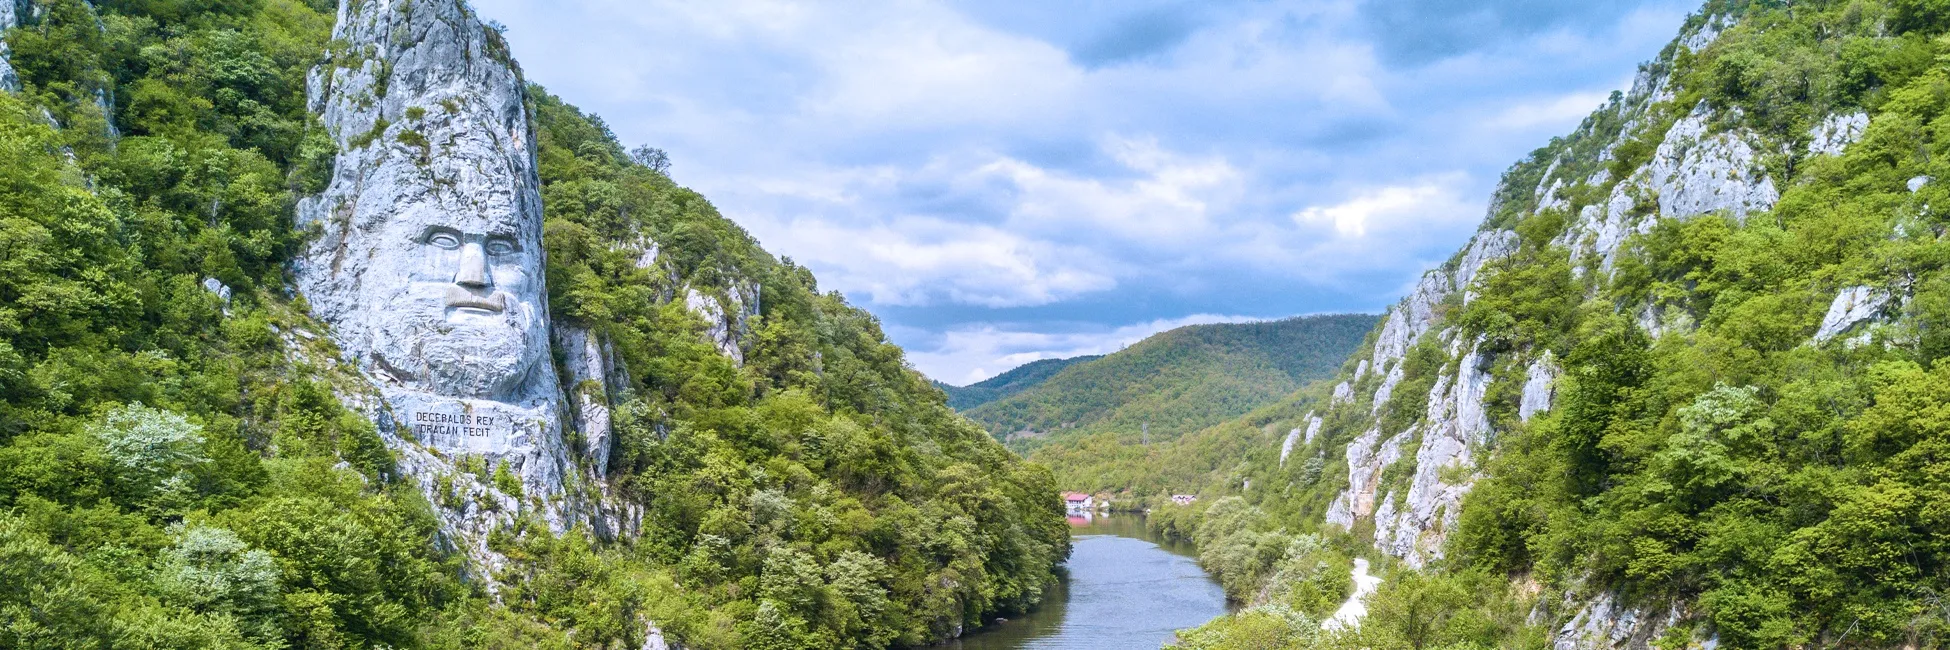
[462, 298]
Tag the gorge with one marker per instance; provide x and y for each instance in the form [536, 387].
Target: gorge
[322, 326]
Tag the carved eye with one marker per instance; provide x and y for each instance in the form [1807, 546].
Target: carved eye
[445, 240]
[500, 247]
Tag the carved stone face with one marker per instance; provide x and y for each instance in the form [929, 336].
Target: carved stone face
[455, 299]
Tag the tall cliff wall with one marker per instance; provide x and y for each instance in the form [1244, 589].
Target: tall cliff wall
[1705, 176]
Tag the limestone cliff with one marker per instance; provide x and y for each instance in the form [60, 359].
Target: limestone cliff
[428, 262]
[1411, 459]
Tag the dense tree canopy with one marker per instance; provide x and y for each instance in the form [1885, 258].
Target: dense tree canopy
[177, 469]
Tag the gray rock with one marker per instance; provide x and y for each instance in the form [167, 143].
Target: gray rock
[653, 639]
[1602, 623]
[1916, 184]
[1538, 387]
[728, 315]
[1836, 133]
[218, 289]
[1456, 423]
[1485, 248]
[1410, 318]
[1295, 437]
[1695, 172]
[10, 15]
[1853, 305]
[1705, 34]
[1343, 393]
[589, 364]
[1387, 388]
[428, 267]
[1365, 460]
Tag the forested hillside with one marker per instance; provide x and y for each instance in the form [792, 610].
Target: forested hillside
[1686, 388]
[180, 467]
[1176, 381]
[1016, 380]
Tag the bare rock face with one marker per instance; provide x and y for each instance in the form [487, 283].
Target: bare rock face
[1854, 305]
[728, 317]
[1696, 172]
[1601, 622]
[1485, 248]
[1836, 133]
[1539, 386]
[10, 15]
[1455, 426]
[1365, 460]
[590, 368]
[1343, 392]
[1295, 437]
[428, 264]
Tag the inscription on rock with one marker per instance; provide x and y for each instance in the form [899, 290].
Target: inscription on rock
[439, 425]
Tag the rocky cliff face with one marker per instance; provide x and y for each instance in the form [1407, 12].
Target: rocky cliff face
[1410, 481]
[428, 263]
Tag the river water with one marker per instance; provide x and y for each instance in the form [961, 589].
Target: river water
[1126, 589]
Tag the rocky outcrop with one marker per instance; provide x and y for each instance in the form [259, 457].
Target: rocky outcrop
[1853, 306]
[1539, 386]
[1836, 133]
[1295, 437]
[1456, 424]
[728, 316]
[1696, 171]
[589, 370]
[1343, 393]
[11, 13]
[1602, 622]
[1365, 460]
[428, 263]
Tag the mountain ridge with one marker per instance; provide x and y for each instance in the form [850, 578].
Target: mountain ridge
[1176, 381]
[1010, 382]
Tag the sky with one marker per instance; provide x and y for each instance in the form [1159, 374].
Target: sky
[1001, 181]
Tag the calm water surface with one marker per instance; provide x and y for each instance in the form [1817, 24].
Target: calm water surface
[1127, 589]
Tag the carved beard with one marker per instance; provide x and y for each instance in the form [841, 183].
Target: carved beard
[480, 356]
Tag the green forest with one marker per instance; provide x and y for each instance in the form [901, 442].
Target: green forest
[1772, 490]
[1090, 421]
[178, 468]
[1177, 381]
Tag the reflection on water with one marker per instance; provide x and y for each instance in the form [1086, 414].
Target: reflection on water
[1127, 588]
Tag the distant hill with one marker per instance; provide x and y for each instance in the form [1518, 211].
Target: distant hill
[1023, 377]
[1177, 381]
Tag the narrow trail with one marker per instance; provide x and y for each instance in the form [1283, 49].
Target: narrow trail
[1350, 613]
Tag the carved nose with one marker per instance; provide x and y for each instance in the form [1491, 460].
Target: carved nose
[473, 266]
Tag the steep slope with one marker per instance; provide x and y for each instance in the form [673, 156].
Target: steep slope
[1016, 380]
[331, 332]
[1685, 385]
[1176, 381]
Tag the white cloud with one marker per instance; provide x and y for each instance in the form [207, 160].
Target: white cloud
[1172, 197]
[972, 353]
[921, 260]
[913, 154]
[1561, 111]
[1350, 218]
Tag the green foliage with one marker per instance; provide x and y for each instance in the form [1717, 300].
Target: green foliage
[1181, 380]
[1778, 489]
[819, 495]
[178, 471]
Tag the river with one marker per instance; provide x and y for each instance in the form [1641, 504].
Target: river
[1126, 589]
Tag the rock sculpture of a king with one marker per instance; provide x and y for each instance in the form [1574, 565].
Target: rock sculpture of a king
[427, 255]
